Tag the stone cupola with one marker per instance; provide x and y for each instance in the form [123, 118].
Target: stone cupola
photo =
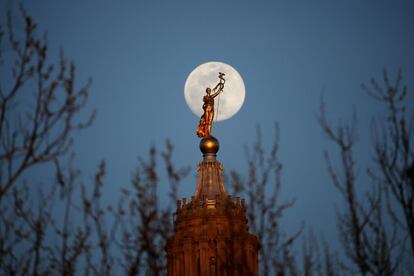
[210, 231]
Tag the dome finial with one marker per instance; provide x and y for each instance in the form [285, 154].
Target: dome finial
[209, 146]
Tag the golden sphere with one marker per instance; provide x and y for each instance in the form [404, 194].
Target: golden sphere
[209, 145]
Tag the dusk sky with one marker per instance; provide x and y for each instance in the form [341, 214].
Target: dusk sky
[289, 54]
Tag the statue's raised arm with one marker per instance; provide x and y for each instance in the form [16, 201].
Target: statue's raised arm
[206, 120]
[220, 86]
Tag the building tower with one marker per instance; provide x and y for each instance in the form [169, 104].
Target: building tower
[210, 231]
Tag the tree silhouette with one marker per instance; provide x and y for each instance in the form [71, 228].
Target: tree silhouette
[394, 151]
[373, 235]
[84, 235]
[38, 105]
[264, 209]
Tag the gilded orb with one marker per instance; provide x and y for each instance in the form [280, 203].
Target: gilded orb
[209, 145]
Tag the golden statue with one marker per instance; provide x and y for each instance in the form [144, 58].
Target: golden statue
[206, 120]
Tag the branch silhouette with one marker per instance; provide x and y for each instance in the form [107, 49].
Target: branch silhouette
[33, 134]
[370, 228]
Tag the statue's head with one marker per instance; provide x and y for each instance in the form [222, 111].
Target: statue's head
[208, 91]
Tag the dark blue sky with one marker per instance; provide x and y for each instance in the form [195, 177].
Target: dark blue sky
[289, 53]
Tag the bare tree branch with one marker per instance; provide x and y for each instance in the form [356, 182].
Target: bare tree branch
[264, 212]
[42, 132]
[363, 228]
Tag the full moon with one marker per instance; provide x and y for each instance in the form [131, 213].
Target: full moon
[205, 75]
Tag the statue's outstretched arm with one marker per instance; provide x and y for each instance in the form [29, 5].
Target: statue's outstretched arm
[220, 86]
[218, 89]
